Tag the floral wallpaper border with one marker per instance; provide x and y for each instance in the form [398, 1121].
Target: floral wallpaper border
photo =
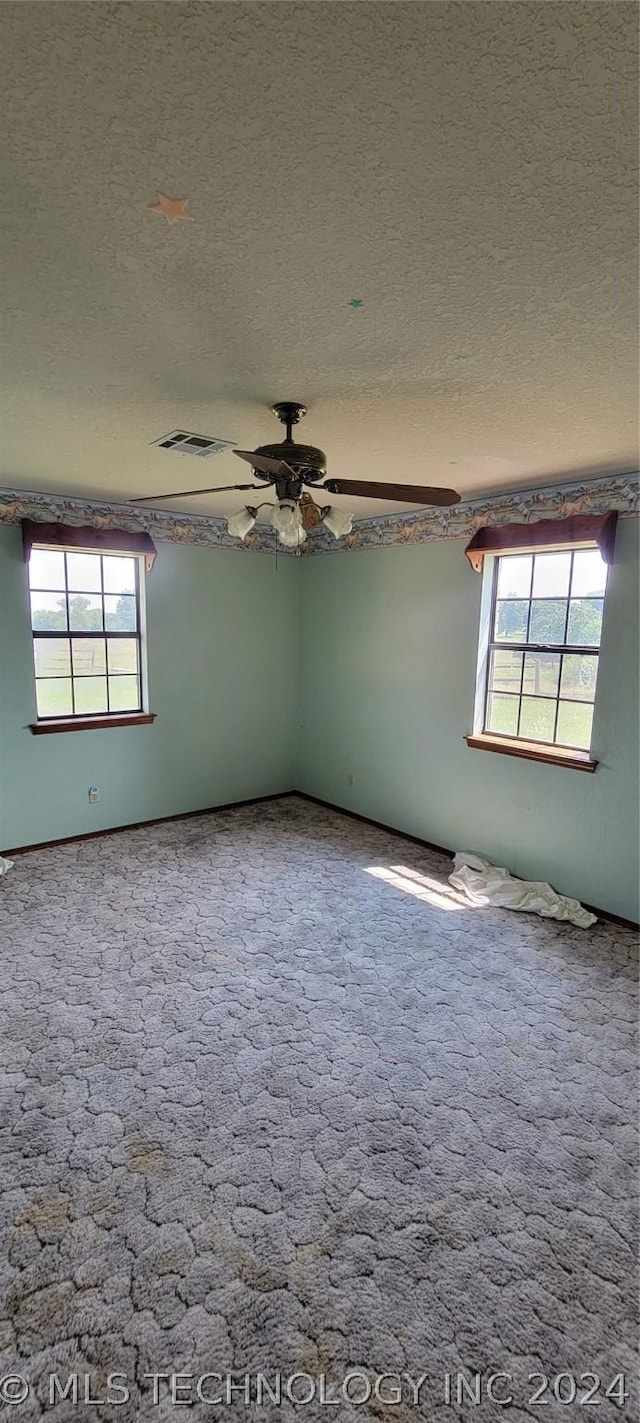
[203, 529]
[620, 492]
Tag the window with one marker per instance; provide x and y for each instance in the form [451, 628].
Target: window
[543, 638]
[86, 623]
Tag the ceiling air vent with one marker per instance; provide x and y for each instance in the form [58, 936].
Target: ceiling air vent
[186, 444]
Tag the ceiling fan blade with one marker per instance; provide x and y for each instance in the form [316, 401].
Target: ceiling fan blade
[404, 493]
[264, 464]
[185, 493]
[311, 515]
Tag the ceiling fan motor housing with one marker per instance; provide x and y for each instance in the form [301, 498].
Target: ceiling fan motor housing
[305, 460]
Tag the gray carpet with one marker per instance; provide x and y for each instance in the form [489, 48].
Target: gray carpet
[266, 1111]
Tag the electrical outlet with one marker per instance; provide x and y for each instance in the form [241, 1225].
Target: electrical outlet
[94, 794]
[350, 778]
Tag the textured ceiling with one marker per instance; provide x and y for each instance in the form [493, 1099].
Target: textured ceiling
[467, 170]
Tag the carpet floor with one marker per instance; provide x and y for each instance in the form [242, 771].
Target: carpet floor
[275, 1101]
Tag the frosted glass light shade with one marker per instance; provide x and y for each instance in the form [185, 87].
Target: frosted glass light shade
[338, 523]
[286, 516]
[241, 523]
[293, 538]
[287, 520]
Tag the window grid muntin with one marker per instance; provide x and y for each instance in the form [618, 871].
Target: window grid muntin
[101, 633]
[563, 650]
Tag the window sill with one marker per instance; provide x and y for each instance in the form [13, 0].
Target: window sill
[533, 751]
[91, 723]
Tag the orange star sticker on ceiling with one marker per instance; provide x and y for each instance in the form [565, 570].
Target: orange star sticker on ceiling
[173, 208]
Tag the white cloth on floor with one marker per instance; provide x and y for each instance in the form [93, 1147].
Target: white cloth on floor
[5, 865]
[484, 884]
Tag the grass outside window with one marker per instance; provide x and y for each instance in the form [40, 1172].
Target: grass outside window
[85, 618]
[546, 623]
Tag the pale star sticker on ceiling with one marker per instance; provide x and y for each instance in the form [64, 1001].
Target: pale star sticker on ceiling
[172, 208]
[356, 303]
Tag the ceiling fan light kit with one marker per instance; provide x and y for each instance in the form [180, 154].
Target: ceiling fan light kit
[287, 520]
[286, 468]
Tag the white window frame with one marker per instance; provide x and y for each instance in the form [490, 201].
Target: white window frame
[514, 744]
[79, 719]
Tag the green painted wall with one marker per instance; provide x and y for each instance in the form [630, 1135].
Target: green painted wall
[367, 661]
[387, 693]
[222, 655]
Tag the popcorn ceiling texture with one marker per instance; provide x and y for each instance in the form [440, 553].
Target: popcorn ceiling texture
[468, 170]
[266, 1111]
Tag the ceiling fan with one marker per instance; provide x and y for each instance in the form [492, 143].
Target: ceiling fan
[287, 467]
